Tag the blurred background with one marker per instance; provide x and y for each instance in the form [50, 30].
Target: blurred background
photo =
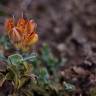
[68, 26]
[69, 29]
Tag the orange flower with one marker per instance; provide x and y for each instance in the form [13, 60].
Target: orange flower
[23, 33]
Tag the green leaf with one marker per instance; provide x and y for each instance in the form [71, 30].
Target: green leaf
[43, 72]
[27, 93]
[69, 87]
[2, 79]
[2, 57]
[43, 75]
[15, 59]
[12, 72]
[4, 40]
[48, 57]
[30, 57]
[93, 91]
[22, 81]
[27, 68]
[13, 75]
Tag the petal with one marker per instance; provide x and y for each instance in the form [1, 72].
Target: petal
[31, 26]
[9, 24]
[28, 42]
[21, 24]
[32, 39]
[29, 30]
[15, 36]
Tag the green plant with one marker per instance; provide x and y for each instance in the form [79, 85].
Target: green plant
[18, 72]
[23, 72]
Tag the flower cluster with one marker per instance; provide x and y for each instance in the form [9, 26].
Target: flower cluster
[22, 33]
